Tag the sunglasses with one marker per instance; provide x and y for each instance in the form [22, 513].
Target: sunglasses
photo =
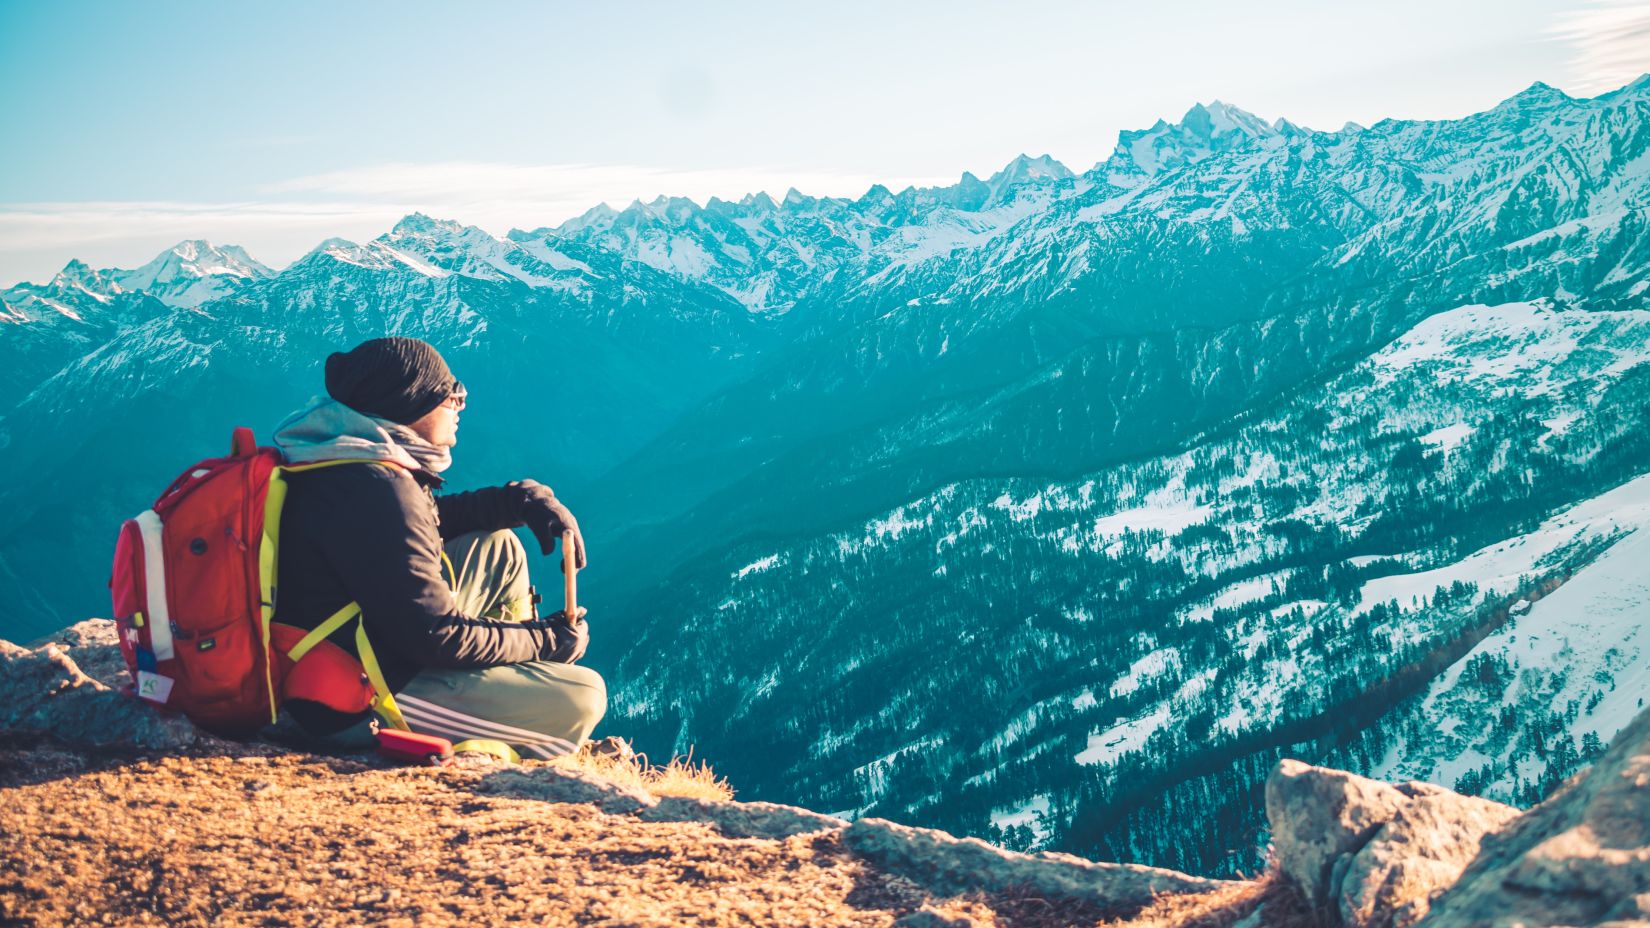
[455, 399]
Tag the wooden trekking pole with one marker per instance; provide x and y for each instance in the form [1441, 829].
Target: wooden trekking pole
[569, 576]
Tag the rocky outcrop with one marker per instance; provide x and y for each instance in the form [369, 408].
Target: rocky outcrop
[45, 689]
[1580, 858]
[1365, 853]
[1371, 854]
[1360, 853]
[944, 863]
[69, 687]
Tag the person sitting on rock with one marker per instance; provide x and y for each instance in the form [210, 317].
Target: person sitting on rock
[441, 581]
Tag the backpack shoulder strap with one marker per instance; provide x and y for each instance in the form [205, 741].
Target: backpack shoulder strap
[321, 632]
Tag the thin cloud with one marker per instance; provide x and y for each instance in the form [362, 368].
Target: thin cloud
[40, 224]
[1610, 42]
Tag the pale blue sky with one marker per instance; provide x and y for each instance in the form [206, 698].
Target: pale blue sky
[130, 126]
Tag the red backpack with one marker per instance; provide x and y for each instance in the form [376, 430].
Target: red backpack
[194, 602]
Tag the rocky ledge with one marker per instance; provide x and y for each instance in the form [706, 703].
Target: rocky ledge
[113, 812]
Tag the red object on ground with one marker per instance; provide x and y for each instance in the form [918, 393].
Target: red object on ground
[414, 748]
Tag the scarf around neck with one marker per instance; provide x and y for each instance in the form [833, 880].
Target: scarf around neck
[327, 430]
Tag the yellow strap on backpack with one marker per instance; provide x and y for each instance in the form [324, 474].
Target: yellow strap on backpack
[383, 701]
[321, 632]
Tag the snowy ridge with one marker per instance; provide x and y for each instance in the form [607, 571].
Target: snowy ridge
[1033, 219]
[192, 273]
[1578, 656]
[440, 247]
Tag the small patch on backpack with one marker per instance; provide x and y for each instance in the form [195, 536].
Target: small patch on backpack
[145, 659]
[153, 686]
[206, 644]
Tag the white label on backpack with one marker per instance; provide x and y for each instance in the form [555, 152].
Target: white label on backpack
[153, 686]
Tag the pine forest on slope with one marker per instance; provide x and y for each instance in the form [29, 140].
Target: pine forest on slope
[1049, 507]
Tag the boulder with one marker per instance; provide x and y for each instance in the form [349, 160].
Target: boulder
[49, 689]
[1371, 854]
[1580, 858]
[1392, 881]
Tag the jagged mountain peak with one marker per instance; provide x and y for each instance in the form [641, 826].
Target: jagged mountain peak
[199, 256]
[419, 232]
[192, 272]
[877, 193]
[1205, 130]
[1026, 168]
[1219, 120]
[675, 210]
[1538, 96]
[79, 273]
[193, 249]
[384, 253]
[422, 224]
[334, 243]
[338, 248]
[601, 212]
[75, 283]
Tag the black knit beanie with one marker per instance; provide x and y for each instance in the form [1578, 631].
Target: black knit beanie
[399, 379]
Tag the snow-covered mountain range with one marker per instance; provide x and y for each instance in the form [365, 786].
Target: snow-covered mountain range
[1048, 507]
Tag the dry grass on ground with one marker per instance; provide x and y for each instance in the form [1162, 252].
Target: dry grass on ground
[285, 838]
[681, 777]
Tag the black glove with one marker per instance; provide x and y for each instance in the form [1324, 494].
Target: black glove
[547, 518]
[571, 637]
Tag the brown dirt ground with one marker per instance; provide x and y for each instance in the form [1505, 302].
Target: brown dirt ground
[282, 839]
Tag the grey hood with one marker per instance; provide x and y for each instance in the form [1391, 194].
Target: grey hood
[327, 430]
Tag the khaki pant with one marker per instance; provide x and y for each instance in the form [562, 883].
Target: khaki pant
[541, 708]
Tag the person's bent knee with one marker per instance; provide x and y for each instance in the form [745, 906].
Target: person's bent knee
[589, 698]
[511, 551]
[511, 542]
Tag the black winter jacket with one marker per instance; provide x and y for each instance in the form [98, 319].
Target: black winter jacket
[372, 533]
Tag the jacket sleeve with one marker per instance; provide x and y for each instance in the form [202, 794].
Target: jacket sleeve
[384, 544]
[488, 510]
